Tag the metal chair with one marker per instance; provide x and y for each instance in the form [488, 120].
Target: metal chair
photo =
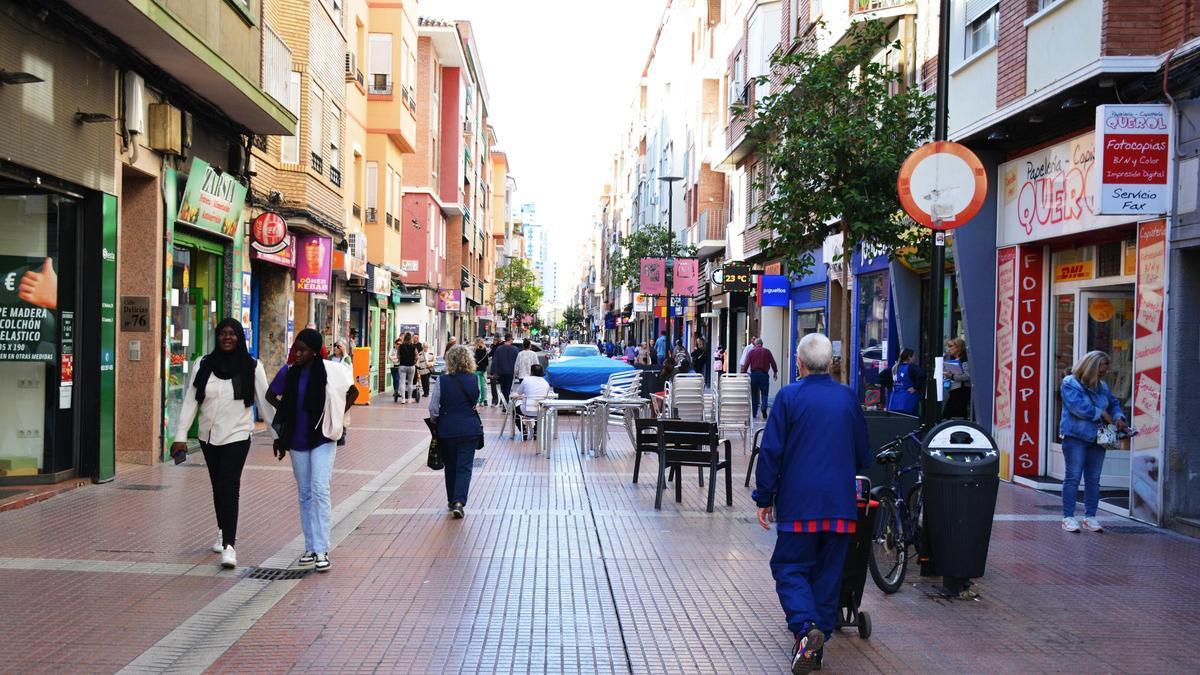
[525, 421]
[754, 454]
[685, 397]
[734, 405]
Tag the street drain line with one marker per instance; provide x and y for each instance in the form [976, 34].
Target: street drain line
[612, 594]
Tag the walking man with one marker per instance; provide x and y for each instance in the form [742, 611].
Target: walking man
[660, 347]
[813, 447]
[504, 362]
[758, 362]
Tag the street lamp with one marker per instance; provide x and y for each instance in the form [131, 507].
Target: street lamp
[670, 181]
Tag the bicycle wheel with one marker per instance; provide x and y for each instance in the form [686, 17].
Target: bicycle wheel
[888, 556]
[916, 511]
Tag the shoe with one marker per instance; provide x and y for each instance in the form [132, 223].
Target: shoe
[219, 545]
[804, 654]
[395, 399]
[307, 560]
[456, 510]
[1070, 525]
[322, 563]
[228, 558]
[764, 414]
[1092, 524]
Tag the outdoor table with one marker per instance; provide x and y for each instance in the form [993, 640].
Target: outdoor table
[548, 420]
[600, 410]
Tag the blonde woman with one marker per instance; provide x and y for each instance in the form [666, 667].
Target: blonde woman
[459, 429]
[957, 376]
[1086, 403]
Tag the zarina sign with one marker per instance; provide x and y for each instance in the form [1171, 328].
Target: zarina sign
[1133, 150]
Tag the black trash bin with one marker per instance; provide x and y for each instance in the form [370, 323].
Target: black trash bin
[961, 466]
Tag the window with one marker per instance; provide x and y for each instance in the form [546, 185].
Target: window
[289, 146]
[982, 30]
[735, 81]
[335, 159]
[276, 66]
[379, 63]
[336, 5]
[372, 190]
[1045, 4]
[387, 192]
[396, 199]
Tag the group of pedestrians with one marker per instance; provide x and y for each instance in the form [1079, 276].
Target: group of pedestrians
[411, 363]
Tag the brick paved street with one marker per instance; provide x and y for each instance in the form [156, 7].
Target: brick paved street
[562, 565]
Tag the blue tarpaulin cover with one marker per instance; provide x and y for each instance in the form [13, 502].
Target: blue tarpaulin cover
[584, 374]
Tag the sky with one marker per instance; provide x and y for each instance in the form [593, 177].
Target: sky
[561, 78]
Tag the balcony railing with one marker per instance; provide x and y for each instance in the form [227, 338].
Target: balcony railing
[356, 210]
[358, 77]
[335, 176]
[318, 164]
[380, 84]
[410, 101]
[710, 227]
[877, 5]
[388, 219]
[372, 214]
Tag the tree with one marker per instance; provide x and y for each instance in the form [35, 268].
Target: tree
[650, 241]
[833, 137]
[572, 317]
[517, 289]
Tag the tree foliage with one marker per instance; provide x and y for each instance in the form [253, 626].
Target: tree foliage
[572, 317]
[517, 288]
[834, 136]
[650, 241]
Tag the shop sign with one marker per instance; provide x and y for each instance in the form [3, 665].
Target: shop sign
[1051, 193]
[409, 328]
[733, 277]
[1074, 271]
[268, 233]
[247, 326]
[285, 256]
[774, 291]
[28, 298]
[212, 200]
[653, 276]
[643, 302]
[313, 267]
[686, 280]
[1006, 292]
[1145, 486]
[380, 280]
[1028, 384]
[350, 266]
[135, 314]
[1133, 148]
[410, 265]
[484, 313]
[450, 300]
[916, 258]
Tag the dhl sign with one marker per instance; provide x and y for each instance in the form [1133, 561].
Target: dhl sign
[1075, 271]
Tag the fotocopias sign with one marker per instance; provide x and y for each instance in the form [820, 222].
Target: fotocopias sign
[1133, 150]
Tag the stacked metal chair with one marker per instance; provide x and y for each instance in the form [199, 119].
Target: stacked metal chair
[685, 397]
[734, 405]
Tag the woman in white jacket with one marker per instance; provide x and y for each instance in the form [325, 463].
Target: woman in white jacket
[223, 387]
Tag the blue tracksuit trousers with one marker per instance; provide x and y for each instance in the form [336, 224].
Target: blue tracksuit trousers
[808, 577]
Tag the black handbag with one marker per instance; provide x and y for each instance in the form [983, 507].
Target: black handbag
[433, 459]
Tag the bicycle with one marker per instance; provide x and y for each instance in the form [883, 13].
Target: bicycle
[898, 520]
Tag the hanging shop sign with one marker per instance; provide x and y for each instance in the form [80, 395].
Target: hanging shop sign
[315, 264]
[773, 291]
[643, 302]
[269, 233]
[942, 185]
[285, 256]
[28, 298]
[1080, 270]
[379, 280]
[685, 280]
[450, 300]
[653, 276]
[733, 277]
[348, 266]
[1133, 150]
[212, 200]
[1050, 193]
[484, 313]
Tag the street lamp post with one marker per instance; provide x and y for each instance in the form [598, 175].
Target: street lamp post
[670, 181]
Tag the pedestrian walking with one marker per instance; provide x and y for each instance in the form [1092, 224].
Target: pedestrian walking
[660, 347]
[814, 445]
[526, 359]
[222, 389]
[493, 379]
[394, 368]
[426, 362]
[718, 364]
[311, 399]
[908, 380]
[406, 360]
[745, 354]
[504, 363]
[459, 429]
[1087, 406]
[957, 377]
[481, 365]
[700, 359]
[339, 355]
[759, 362]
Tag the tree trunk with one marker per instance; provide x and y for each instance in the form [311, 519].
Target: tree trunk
[847, 298]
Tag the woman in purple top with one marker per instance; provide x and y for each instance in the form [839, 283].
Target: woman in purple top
[311, 397]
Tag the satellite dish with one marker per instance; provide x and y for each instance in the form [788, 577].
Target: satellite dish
[942, 185]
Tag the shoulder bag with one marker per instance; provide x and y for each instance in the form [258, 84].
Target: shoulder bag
[433, 459]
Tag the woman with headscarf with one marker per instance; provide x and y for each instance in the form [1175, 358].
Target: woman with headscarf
[311, 398]
[223, 387]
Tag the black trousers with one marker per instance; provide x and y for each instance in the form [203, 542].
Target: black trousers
[225, 464]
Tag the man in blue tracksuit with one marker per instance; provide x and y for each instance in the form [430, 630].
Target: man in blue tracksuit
[814, 445]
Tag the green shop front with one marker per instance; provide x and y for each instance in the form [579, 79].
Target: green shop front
[204, 257]
[58, 244]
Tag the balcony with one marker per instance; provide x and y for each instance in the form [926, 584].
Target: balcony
[883, 8]
[466, 232]
[388, 219]
[465, 279]
[737, 143]
[318, 164]
[356, 210]
[372, 214]
[410, 100]
[358, 77]
[381, 85]
[335, 176]
[708, 234]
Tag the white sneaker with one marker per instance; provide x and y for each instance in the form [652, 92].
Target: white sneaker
[219, 545]
[322, 563]
[228, 558]
[1070, 525]
[1092, 524]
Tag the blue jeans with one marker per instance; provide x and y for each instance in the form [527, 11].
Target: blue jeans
[760, 387]
[807, 568]
[1086, 459]
[458, 454]
[313, 469]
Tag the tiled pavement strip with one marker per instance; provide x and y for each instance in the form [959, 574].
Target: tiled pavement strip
[562, 565]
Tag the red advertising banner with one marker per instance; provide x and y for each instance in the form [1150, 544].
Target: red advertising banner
[685, 281]
[1145, 488]
[1027, 389]
[654, 276]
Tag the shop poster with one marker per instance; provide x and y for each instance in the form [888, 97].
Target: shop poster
[212, 200]
[653, 276]
[1145, 485]
[315, 264]
[1002, 398]
[686, 278]
[28, 301]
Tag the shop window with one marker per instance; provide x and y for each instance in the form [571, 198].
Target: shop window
[1109, 259]
[872, 328]
[1129, 264]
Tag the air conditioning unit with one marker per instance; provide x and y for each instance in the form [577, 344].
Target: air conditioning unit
[351, 66]
[358, 245]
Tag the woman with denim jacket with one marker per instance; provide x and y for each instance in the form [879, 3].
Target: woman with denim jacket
[1086, 404]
